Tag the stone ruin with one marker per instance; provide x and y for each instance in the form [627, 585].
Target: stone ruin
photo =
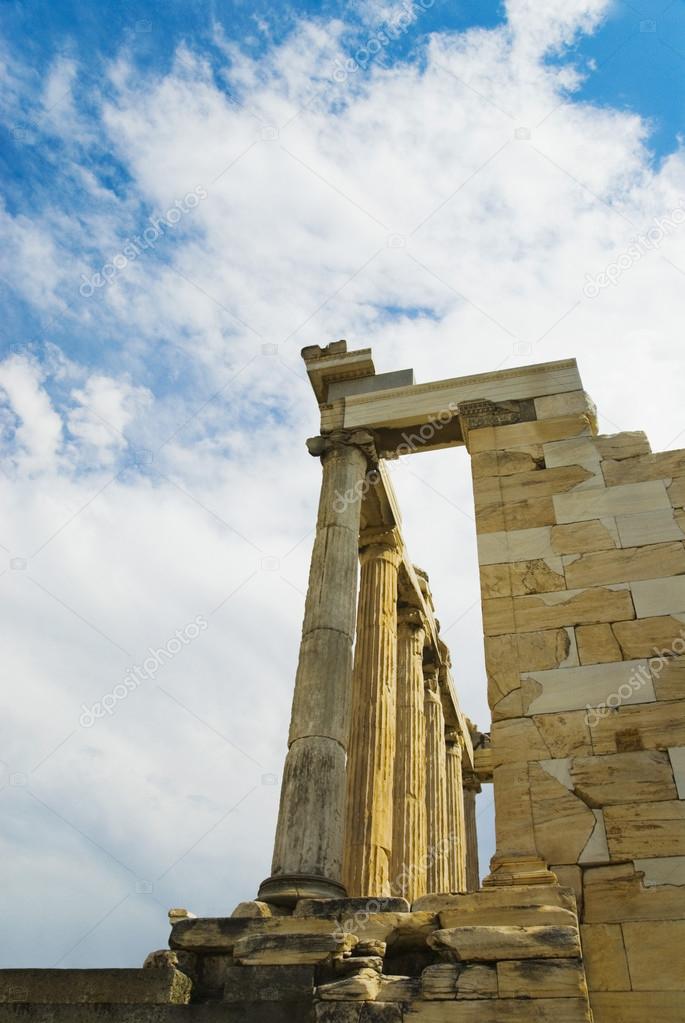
[374, 912]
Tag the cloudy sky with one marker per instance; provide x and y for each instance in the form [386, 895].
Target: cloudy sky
[192, 191]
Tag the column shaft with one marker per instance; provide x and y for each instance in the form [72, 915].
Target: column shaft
[455, 815]
[409, 842]
[436, 788]
[471, 790]
[368, 825]
[307, 858]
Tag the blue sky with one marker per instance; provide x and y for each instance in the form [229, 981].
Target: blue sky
[452, 188]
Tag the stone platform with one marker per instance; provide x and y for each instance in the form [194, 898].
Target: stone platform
[502, 955]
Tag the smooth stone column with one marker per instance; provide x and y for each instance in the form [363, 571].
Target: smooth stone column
[368, 825]
[307, 860]
[471, 787]
[436, 787]
[409, 832]
[455, 814]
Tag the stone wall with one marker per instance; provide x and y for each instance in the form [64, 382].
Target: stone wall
[582, 565]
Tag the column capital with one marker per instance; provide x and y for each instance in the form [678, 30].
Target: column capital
[377, 541]
[411, 618]
[431, 682]
[454, 742]
[472, 781]
[337, 440]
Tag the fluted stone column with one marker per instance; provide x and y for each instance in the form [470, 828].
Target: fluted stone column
[471, 789]
[409, 841]
[455, 813]
[368, 825]
[436, 787]
[307, 860]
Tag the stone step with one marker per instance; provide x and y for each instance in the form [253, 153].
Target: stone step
[157, 986]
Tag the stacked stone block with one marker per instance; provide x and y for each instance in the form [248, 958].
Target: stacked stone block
[582, 561]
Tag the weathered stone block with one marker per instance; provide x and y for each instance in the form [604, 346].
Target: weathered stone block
[597, 644]
[656, 955]
[357, 1012]
[518, 515]
[589, 685]
[623, 778]
[657, 466]
[565, 734]
[656, 726]
[629, 499]
[604, 957]
[515, 545]
[290, 949]
[644, 830]
[447, 981]
[647, 637]
[219, 934]
[618, 446]
[653, 597]
[584, 537]
[268, 983]
[150, 986]
[637, 1007]
[489, 944]
[541, 978]
[524, 434]
[569, 607]
[344, 909]
[362, 985]
[616, 894]
[563, 823]
[398, 989]
[506, 463]
[629, 564]
[669, 679]
[501, 1010]
[649, 527]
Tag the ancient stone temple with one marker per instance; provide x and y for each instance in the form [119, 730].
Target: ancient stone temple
[374, 911]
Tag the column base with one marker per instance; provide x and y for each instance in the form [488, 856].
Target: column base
[287, 889]
[512, 870]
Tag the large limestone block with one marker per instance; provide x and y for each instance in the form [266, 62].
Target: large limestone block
[341, 1012]
[648, 637]
[639, 830]
[623, 445]
[597, 644]
[640, 528]
[220, 934]
[524, 434]
[552, 406]
[669, 679]
[551, 648]
[637, 1007]
[501, 662]
[616, 894]
[570, 607]
[527, 486]
[290, 949]
[676, 492]
[628, 565]
[656, 955]
[495, 906]
[503, 1010]
[519, 577]
[151, 986]
[362, 985]
[660, 870]
[400, 931]
[490, 944]
[447, 981]
[564, 689]
[623, 778]
[651, 726]
[515, 545]
[677, 758]
[604, 957]
[518, 515]
[629, 499]
[653, 597]
[563, 823]
[657, 466]
[506, 463]
[346, 909]
[566, 734]
[584, 537]
[575, 451]
[541, 978]
[268, 983]
[399, 989]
